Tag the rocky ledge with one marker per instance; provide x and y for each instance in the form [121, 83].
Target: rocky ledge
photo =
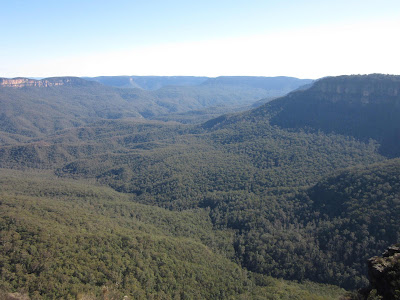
[384, 275]
[47, 82]
[353, 86]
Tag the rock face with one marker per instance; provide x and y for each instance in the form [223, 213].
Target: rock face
[384, 274]
[47, 82]
[364, 88]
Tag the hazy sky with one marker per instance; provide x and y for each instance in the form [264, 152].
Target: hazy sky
[306, 39]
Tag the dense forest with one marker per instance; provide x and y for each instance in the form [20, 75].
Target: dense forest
[69, 239]
[303, 188]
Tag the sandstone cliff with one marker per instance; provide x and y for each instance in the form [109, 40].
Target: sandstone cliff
[47, 82]
[384, 275]
[364, 88]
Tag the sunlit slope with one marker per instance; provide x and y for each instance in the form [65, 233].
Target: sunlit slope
[70, 239]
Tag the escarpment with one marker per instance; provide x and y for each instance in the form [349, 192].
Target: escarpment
[47, 82]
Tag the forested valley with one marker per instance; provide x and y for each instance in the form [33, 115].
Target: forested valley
[101, 198]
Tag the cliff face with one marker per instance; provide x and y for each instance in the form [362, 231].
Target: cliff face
[47, 82]
[375, 87]
[384, 274]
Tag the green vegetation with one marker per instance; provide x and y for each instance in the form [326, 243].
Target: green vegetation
[282, 190]
[64, 239]
[332, 229]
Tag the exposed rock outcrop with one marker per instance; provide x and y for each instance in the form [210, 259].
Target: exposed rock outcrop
[373, 87]
[384, 275]
[47, 82]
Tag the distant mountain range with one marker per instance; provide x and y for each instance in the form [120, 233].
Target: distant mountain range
[31, 108]
[150, 83]
[278, 84]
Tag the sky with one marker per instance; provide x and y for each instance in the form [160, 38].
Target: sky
[303, 38]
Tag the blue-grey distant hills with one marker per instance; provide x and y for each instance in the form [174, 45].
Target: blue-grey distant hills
[31, 108]
[191, 99]
[279, 84]
[148, 82]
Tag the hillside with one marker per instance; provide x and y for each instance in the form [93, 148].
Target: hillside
[40, 107]
[361, 106]
[245, 172]
[357, 211]
[269, 193]
[365, 107]
[63, 239]
[34, 108]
